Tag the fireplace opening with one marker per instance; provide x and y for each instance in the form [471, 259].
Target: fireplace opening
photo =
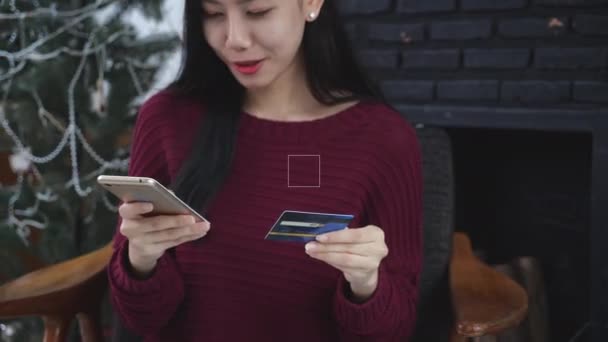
[528, 193]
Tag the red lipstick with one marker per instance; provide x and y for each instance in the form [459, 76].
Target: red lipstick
[248, 67]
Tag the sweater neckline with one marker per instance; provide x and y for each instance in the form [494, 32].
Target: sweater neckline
[276, 130]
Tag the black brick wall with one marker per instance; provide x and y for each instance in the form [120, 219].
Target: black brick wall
[473, 63]
[502, 53]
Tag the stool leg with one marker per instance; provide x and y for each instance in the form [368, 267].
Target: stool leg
[90, 326]
[56, 328]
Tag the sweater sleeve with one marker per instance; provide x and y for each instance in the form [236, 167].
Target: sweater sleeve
[395, 205]
[145, 305]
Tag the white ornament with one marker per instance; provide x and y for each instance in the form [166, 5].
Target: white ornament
[99, 100]
[7, 330]
[20, 162]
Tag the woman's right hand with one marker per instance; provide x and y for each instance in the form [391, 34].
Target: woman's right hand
[150, 237]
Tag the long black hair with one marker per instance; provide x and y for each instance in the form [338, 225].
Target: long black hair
[331, 69]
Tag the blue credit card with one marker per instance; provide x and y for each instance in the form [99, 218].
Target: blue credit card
[300, 226]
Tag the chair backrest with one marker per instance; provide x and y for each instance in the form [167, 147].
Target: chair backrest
[434, 306]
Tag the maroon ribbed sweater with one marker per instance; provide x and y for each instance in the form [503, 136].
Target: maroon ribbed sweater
[233, 285]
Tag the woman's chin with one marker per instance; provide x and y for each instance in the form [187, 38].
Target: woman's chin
[252, 83]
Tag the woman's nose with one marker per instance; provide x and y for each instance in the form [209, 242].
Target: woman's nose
[237, 35]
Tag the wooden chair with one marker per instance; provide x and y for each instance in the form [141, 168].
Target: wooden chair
[478, 300]
[60, 292]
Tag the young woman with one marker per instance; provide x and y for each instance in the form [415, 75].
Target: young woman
[270, 113]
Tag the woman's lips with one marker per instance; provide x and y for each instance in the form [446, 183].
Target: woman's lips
[248, 67]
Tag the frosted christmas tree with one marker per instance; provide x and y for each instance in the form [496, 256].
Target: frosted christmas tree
[72, 74]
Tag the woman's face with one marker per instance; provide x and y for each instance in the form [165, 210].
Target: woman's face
[257, 39]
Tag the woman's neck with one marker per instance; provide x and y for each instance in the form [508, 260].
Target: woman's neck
[288, 98]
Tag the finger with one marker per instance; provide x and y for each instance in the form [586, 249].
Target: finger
[133, 210]
[174, 243]
[346, 261]
[162, 222]
[352, 235]
[362, 249]
[171, 234]
[138, 227]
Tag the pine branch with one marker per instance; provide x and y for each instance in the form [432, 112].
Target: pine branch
[81, 78]
[53, 13]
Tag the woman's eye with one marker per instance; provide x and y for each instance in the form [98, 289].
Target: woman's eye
[258, 14]
[207, 14]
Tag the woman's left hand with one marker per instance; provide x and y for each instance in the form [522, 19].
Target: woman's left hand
[355, 252]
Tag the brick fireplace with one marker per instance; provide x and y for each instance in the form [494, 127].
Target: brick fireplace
[527, 193]
[522, 87]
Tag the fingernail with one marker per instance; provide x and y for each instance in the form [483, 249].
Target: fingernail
[321, 238]
[148, 206]
[311, 246]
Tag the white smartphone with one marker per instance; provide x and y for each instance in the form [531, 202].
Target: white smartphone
[144, 189]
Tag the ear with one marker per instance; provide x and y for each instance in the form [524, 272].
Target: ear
[312, 9]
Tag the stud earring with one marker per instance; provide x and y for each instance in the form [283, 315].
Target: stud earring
[311, 15]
